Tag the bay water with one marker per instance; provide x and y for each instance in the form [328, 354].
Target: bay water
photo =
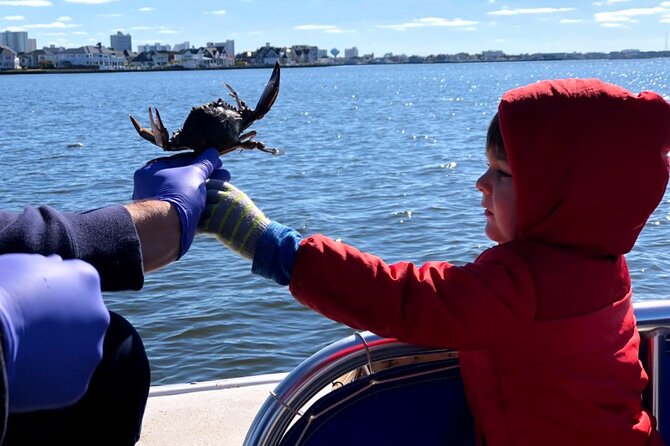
[383, 157]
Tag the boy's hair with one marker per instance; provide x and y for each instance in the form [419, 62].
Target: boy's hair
[494, 140]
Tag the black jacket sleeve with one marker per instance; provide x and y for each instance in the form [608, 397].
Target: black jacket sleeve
[106, 238]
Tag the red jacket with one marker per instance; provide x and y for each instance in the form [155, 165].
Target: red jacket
[544, 323]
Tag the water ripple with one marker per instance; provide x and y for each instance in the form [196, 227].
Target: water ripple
[384, 157]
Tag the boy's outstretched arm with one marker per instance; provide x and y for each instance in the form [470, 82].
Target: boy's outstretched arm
[438, 304]
[235, 220]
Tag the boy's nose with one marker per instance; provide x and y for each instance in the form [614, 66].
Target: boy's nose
[482, 186]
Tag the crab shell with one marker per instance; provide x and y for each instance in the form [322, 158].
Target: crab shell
[218, 124]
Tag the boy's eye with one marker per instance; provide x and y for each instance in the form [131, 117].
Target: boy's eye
[503, 174]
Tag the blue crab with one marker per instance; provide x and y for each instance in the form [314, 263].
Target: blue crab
[217, 124]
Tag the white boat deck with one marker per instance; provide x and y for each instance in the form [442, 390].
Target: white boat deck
[205, 414]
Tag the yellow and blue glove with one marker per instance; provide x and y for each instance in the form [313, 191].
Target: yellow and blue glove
[241, 226]
[233, 218]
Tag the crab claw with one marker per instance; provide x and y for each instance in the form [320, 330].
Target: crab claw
[159, 130]
[269, 94]
[158, 134]
[144, 133]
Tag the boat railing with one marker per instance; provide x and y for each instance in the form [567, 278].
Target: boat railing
[653, 322]
[365, 350]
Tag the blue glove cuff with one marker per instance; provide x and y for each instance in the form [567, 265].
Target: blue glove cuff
[275, 253]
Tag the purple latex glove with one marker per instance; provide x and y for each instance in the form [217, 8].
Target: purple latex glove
[180, 180]
[53, 325]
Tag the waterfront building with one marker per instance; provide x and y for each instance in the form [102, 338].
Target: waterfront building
[151, 60]
[91, 56]
[304, 54]
[493, 55]
[228, 46]
[350, 53]
[8, 59]
[223, 54]
[18, 41]
[44, 58]
[198, 58]
[120, 41]
[155, 47]
[268, 55]
[181, 46]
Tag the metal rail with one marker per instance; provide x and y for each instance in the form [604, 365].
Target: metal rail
[363, 349]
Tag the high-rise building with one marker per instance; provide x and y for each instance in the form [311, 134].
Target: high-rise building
[120, 41]
[18, 41]
[155, 47]
[181, 46]
[350, 53]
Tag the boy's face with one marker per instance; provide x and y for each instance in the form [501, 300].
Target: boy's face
[498, 200]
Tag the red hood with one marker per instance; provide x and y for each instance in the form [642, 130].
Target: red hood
[588, 160]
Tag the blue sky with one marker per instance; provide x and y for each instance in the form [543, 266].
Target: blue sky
[419, 27]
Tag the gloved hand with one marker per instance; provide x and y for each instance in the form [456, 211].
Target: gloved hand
[232, 217]
[180, 180]
[53, 323]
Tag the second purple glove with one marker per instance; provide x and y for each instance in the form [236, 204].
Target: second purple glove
[180, 180]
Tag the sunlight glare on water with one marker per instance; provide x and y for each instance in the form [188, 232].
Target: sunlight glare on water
[383, 157]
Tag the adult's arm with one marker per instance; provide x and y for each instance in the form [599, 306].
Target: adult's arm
[122, 242]
[106, 238]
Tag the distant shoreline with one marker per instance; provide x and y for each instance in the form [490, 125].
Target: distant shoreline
[507, 58]
[154, 70]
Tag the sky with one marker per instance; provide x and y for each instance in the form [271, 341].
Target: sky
[411, 27]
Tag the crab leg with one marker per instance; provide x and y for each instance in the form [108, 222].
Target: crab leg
[249, 145]
[248, 135]
[233, 94]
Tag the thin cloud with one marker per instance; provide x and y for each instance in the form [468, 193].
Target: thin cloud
[164, 30]
[609, 2]
[626, 15]
[157, 29]
[430, 22]
[613, 25]
[29, 3]
[316, 28]
[217, 12]
[54, 25]
[14, 17]
[146, 9]
[64, 19]
[520, 11]
[90, 2]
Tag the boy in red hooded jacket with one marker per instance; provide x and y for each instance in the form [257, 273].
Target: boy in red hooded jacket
[544, 320]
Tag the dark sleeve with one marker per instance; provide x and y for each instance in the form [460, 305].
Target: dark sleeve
[106, 238]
